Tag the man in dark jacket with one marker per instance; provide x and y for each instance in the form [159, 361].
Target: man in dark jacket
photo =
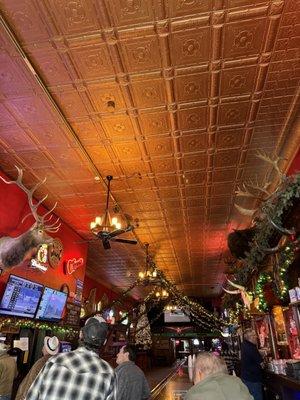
[132, 383]
[251, 361]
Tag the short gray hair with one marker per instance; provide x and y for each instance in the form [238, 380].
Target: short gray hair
[209, 363]
[248, 333]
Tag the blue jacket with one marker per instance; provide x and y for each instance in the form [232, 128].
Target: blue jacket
[250, 362]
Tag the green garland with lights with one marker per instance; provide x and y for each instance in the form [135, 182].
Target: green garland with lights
[263, 278]
[286, 258]
[24, 323]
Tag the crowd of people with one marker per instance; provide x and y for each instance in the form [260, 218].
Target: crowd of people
[82, 374]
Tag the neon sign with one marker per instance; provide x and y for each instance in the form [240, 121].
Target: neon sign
[72, 265]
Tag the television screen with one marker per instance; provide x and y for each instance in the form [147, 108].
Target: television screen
[65, 347]
[176, 316]
[52, 305]
[21, 297]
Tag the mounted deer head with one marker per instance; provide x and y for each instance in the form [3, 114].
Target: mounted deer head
[14, 251]
[253, 189]
[246, 297]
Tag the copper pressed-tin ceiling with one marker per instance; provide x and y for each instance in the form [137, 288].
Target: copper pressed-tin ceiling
[198, 85]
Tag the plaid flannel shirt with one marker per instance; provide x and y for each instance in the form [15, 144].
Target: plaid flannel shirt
[78, 375]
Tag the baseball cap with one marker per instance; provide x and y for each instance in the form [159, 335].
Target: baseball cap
[51, 345]
[94, 331]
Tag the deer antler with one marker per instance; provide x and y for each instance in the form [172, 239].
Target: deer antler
[274, 162]
[231, 291]
[40, 220]
[235, 285]
[249, 212]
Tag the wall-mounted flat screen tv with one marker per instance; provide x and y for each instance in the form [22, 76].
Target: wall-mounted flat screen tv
[21, 297]
[52, 305]
[176, 316]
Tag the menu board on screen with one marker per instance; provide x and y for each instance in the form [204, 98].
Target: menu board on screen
[52, 305]
[21, 297]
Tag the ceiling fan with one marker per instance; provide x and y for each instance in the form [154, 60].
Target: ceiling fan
[107, 229]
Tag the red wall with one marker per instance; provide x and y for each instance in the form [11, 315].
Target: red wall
[90, 284]
[13, 207]
[295, 166]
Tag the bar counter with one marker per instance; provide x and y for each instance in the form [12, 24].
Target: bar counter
[280, 387]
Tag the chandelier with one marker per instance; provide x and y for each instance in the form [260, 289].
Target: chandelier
[150, 271]
[161, 294]
[105, 223]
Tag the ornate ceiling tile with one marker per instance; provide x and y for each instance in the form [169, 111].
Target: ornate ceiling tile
[237, 81]
[155, 123]
[149, 93]
[118, 127]
[141, 55]
[131, 12]
[180, 8]
[243, 39]
[103, 93]
[192, 87]
[127, 150]
[192, 118]
[160, 147]
[191, 47]
[92, 61]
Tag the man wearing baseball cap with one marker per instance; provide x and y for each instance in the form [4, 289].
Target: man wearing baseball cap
[79, 374]
[50, 348]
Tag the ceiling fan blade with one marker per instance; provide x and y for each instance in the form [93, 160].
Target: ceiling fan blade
[116, 232]
[128, 241]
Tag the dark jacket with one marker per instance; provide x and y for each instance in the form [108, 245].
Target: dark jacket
[132, 383]
[250, 362]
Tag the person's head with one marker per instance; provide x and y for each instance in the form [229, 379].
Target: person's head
[51, 346]
[94, 333]
[207, 364]
[126, 353]
[250, 335]
[3, 347]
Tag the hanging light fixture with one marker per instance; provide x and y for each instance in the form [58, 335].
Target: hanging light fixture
[150, 271]
[105, 223]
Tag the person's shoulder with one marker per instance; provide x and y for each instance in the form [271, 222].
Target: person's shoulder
[105, 366]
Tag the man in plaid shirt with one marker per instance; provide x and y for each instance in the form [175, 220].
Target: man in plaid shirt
[80, 374]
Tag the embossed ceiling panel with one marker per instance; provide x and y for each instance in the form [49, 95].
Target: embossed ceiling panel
[171, 97]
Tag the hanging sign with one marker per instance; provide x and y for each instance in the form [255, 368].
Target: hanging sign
[40, 261]
[72, 265]
[55, 252]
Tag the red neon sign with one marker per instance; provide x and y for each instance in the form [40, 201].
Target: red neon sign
[72, 265]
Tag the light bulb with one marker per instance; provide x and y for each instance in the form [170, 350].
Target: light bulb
[118, 225]
[154, 274]
[157, 294]
[98, 220]
[114, 221]
[93, 225]
[141, 275]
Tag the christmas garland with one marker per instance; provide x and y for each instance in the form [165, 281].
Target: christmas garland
[263, 278]
[24, 323]
[286, 258]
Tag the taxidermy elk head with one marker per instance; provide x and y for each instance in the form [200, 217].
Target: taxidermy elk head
[239, 241]
[14, 251]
